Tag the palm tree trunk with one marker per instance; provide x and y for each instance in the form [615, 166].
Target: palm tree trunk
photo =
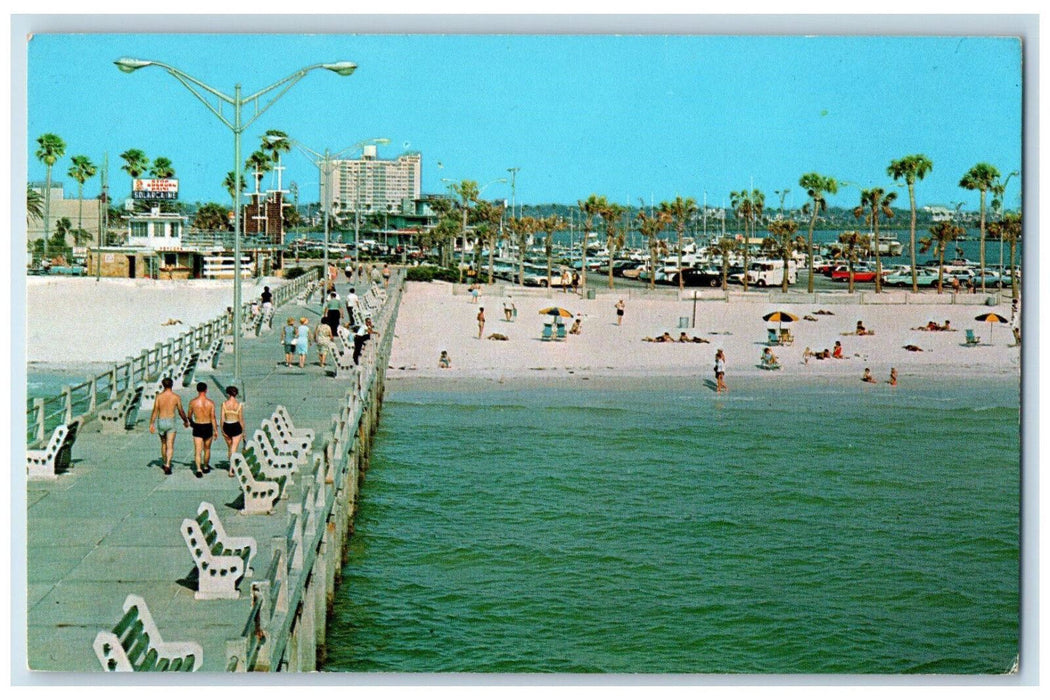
[681, 278]
[550, 242]
[914, 272]
[878, 256]
[940, 268]
[47, 209]
[983, 191]
[1013, 270]
[492, 255]
[809, 243]
[747, 245]
[80, 201]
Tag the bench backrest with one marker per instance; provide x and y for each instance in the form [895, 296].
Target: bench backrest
[64, 457]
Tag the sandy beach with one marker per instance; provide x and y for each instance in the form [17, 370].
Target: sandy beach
[81, 322]
[433, 319]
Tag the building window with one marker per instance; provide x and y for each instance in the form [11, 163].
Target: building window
[139, 229]
[170, 259]
[176, 229]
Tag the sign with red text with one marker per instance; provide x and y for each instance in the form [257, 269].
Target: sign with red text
[157, 188]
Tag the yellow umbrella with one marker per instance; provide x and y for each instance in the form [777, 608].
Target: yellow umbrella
[992, 318]
[779, 317]
[556, 311]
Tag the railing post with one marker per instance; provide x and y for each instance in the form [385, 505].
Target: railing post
[67, 394]
[38, 407]
[92, 398]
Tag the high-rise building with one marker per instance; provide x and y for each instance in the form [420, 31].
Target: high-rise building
[369, 185]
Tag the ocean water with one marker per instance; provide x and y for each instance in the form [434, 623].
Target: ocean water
[804, 529]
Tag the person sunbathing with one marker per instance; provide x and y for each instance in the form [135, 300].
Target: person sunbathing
[769, 360]
[837, 352]
[913, 348]
[575, 330]
[497, 336]
[665, 338]
[684, 338]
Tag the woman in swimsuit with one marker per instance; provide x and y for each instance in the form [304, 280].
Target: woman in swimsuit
[232, 418]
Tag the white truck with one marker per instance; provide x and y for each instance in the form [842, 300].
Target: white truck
[770, 273]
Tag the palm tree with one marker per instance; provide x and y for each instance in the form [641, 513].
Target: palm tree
[34, 204]
[488, 216]
[614, 232]
[650, 228]
[229, 183]
[259, 163]
[520, 230]
[52, 147]
[211, 217]
[274, 143]
[162, 168]
[980, 177]
[467, 191]
[81, 170]
[1009, 229]
[748, 207]
[680, 211]
[726, 246]
[941, 235]
[852, 242]
[872, 203]
[816, 185]
[135, 162]
[784, 243]
[550, 224]
[591, 207]
[911, 168]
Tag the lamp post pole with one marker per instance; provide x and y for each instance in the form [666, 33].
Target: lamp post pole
[201, 91]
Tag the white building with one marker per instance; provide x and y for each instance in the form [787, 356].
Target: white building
[371, 185]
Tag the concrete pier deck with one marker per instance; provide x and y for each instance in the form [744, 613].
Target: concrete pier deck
[110, 526]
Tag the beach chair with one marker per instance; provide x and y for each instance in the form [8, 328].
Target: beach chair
[773, 338]
[561, 332]
[971, 339]
[548, 332]
[785, 336]
[134, 644]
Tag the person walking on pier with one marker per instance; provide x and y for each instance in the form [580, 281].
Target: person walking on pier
[332, 307]
[302, 339]
[204, 425]
[351, 307]
[232, 417]
[288, 340]
[162, 420]
[324, 342]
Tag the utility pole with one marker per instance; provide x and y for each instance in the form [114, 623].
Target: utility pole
[103, 226]
[513, 201]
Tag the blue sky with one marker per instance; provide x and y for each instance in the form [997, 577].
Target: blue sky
[630, 117]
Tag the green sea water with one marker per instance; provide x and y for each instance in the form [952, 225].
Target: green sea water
[790, 529]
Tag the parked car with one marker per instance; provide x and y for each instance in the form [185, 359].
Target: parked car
[861, 273]
[924, 278]
[698, 277]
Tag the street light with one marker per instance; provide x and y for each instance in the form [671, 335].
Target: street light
[326, 166]
[237, 126]
[1002, 209]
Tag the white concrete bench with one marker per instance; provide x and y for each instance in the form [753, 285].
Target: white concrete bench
[153, 388]
[281, 414]
[259, 493]
[187, 368]
[211, 354]
[285, 441]
[264, 460]
[124, 413]
[344, 362]
[134, 644]
[40, 464]
[222, 561]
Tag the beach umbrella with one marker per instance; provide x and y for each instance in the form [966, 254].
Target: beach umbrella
[556, 311]
[780, 318]
[991, 318]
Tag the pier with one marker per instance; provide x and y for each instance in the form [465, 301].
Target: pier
[111, 525]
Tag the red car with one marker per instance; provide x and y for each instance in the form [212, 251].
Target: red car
[841, 274]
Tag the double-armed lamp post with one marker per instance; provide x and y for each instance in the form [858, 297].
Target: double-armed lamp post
[325, 165]
[237, 125]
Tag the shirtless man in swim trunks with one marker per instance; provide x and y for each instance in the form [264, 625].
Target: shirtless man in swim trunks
[204, 426]
[162, 420]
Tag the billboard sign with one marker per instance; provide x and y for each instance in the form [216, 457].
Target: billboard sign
[155, 189]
